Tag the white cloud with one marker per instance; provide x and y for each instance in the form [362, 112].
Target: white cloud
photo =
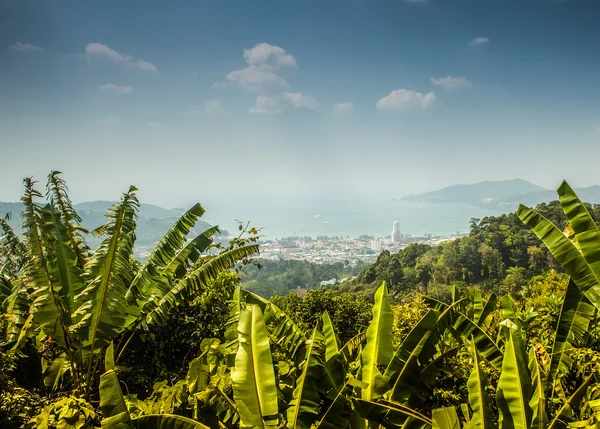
[405, 99]
[115, 89]
[264, 61]
[267, 104]
[269, 56]
[102, 51]
[146, 66]
[286, 101]
[300, 101]
[479, 41]
[255, 78]
[342, 109]
[25, 47]
[213, 106]
[451, 82]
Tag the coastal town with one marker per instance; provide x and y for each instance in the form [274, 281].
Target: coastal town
[350, 251]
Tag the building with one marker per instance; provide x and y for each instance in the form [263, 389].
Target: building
[376, 245]
[396, 236]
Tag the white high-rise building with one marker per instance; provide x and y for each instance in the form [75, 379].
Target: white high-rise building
[376, 245]
[396, 236]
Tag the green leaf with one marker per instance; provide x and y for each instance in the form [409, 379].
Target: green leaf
[564, 251]
[283, 330]
[54, 373]
[586, 231]
[109, 357]
[339, 411]
[489, 308]
[538, 398]
[112, 404]
[477, 306]
[445, 418]
[166, 421]
[478, 396]
[565, 412]
[571, 328]
[253, 377]
[332, 342]
[404, 364]
[514, 385]
[379, 348]
[194, 283]
[108, 272]
[304, 407]
[388, 414]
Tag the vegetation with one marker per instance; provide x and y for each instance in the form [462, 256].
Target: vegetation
[473, 350]
[281, 277]
[65, 303]
[500, 255]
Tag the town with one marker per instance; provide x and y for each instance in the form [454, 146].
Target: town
[350, 251]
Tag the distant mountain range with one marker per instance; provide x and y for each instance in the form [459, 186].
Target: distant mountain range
[153, 221]
[503, 195]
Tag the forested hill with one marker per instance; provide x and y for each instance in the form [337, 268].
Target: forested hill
[500, 255]
[282, 277]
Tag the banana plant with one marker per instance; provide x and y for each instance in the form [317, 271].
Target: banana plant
[579, 255]
[75, 296]
[116, 414]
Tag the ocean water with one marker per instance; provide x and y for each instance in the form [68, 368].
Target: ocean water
[346, 218]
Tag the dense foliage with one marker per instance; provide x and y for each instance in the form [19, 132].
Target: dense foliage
[64, 303]
[500, 255]
[458, 356]
[283, 276]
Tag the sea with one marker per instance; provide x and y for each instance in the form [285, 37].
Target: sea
[344, 218]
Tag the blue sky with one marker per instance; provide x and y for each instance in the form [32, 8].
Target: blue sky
[309, 99]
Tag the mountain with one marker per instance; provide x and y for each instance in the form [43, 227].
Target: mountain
[146, 210]
[504, 195]
[153, 221]
[478, 193]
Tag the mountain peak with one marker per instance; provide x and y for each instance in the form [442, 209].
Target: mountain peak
[478, 193]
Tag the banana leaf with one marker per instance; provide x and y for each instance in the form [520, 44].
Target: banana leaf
[253, 377]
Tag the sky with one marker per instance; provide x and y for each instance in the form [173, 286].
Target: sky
[299, 100]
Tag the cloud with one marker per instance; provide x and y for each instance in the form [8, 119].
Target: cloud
[267, 104]
[300, 101]
[342, 109]
[25, 47]
[115, 89]
[213, 106]
[264, 62]
[146, 66]
[257, 79]
[99, 50]
[451, 82]
[478, 41]
[269, 56]
[272, 104]
[405, 99]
